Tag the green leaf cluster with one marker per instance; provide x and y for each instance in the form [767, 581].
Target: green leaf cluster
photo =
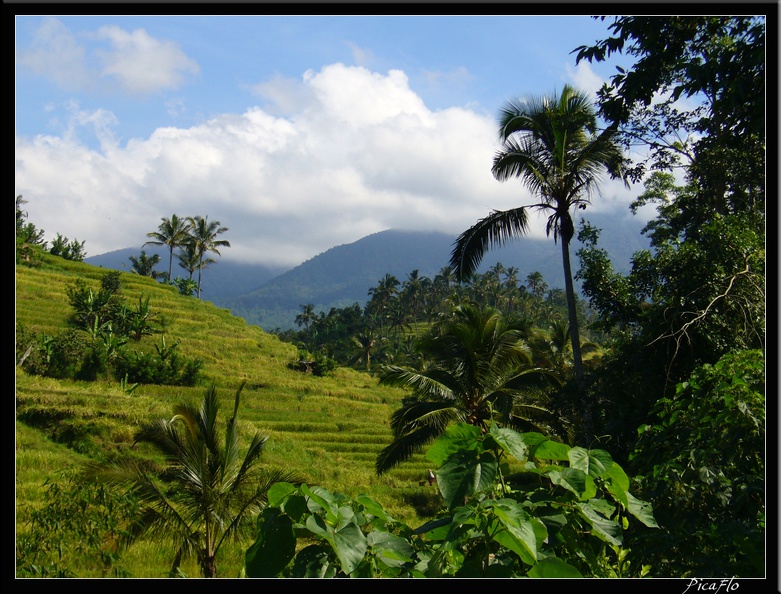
[515, 504]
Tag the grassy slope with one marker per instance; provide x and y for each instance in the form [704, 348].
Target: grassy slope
[330, 429]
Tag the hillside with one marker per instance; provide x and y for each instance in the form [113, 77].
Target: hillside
[328, 428]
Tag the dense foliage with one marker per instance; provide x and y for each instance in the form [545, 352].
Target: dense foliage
[97, 345]
[563, 515]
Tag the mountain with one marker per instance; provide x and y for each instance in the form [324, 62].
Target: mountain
[343, 275]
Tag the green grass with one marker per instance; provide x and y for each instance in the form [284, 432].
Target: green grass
[329, 429]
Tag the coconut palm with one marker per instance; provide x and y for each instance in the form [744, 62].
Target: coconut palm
[365, 341]
[206, 493]
[144, 264]
[203, 236]
[478, 369]
[386, 290]
[173, 233]
[188, 259]
[552, 349]
[552, 145]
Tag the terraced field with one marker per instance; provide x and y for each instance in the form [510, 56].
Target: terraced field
[330, 429]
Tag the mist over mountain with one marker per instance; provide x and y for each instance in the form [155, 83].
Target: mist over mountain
[341, 276]
[219, 281]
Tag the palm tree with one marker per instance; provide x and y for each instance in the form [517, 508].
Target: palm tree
[511, 286]
[203, 235]
[386, 290]
[552, 144]
[537, 286]
[187, 258]
[307, 316]
[478, 369]
[205, 494]
[144, 265]
[172, 232]
[411, 292]
[365, 341]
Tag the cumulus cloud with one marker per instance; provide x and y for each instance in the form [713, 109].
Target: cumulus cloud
[356, 152]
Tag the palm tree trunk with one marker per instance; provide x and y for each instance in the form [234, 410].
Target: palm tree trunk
[200, 265]
[577, 359]
[574, 333]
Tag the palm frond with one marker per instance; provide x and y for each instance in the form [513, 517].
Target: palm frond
[419, 382]
[495, 230]
[405, 446]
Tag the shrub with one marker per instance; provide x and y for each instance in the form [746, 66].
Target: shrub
[147, 368]
[79, 525]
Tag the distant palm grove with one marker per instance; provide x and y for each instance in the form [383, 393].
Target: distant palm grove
[615, 433]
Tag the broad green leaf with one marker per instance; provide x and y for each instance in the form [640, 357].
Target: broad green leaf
[390, 549]
[350, 545]
[618, 483]
[463, 474]
[593, 462]
[348, 542]
[320, 498]
[278, 492]
[274, 548]
[553, 567]
[456, 438]
[373, 507]
[532, 438]
[511, 441]
[314, 562]
[607, 530]
[295, 506]
[553, 522]
[464, 514]
[602, 506]
[316, 525]
[518, 535]
[346, 515]
[642, 510]
[550, 450]
[574, 480]
[435, 529]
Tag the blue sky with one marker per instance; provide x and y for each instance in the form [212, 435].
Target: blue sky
[298, 133]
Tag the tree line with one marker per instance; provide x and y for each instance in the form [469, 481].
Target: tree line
[398, 313]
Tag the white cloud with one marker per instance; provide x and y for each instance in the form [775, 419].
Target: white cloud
[56, 54]
[134, 62]
[357, 153]
[585, 79]
[142, 64]
[361, 56]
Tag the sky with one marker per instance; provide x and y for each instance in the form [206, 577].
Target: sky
[297, 133]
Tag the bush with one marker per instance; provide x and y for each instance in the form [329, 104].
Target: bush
[57, 356]
[79, 525]
[147, 368]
